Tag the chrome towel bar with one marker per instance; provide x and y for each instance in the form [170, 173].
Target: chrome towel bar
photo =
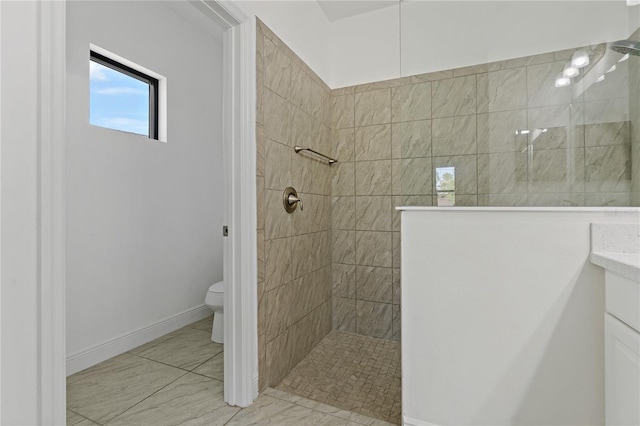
[330, 160]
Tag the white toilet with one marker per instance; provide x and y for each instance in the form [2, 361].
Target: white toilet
[214, 300]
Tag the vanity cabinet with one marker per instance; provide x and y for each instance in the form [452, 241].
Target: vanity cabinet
[622, 351]
[622, 377]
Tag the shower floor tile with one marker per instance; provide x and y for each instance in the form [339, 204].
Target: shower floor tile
[351, 372]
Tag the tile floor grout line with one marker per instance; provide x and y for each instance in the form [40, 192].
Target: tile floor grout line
[175, 366]
[206, 361]
[147, 397]
[232, 417]
[84, 417]
[208, 377]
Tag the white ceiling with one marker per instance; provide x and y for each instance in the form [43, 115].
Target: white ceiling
[339, 9]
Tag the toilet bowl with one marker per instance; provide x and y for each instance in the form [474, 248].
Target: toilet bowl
[214, 300]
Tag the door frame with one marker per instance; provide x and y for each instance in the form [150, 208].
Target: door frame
[240, 250]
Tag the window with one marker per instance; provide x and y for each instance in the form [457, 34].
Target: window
[122, 98]
[446, 186]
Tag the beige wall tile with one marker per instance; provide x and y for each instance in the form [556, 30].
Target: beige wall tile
[497, 131]
[412, 102]
[278, 359]
[608, 168]
[277, 165]
[455, 96]
[310, 174]
[396, 215]
[344, 247]
[396, 249]
[260, 97]
[454, 136]
[417, 200]
[276, 118]
[541, 88]
[344, 179]
[432, 76]
[611, 199]
[473, 69]
[374, 319]
[300, 91]
[374, 284]
[396, 286]
[261, 252]
[464, 200]
[385, 84]
[526, 61]
[277, 220]
[502, 90]
[373, 213]
[373, 143]
[310, 252]
[304, 129]
[260, 142]
[315, 215]
[344, 314]
[373, 107]
[344, 280]
[396, 322]
[278, 263]
[396, 177]
[373, 248]
[344, 212]
[502, 173]
[279, 311]
[373, 177]
[555, 200]
[260, 202]
[344, 144]
[502, 200]
[417, 176]
[607, 134]
[342, 112]
[412, 139]
[277, 69]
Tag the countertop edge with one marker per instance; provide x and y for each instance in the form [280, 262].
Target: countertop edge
[624, 264]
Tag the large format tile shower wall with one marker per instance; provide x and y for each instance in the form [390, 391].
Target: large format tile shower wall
[294, 253]
[513, 138]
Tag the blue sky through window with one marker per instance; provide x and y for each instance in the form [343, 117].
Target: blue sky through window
[118, 101]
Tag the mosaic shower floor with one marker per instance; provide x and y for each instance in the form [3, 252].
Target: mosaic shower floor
[351, 372]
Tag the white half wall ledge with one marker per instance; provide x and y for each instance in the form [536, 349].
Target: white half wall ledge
[124, 343]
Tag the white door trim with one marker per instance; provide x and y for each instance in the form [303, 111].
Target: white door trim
[240, 251]
[52, 87]
[240, 352]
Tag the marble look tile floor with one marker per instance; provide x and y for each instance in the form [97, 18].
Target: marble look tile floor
[351, 372]
[178, 380]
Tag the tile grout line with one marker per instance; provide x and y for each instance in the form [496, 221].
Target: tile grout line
[83, 416]
[144, 399]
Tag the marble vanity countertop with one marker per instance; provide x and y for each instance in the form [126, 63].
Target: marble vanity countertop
[616, 247]
[624, 264]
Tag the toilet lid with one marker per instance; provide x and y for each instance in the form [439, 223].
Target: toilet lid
[217, 287]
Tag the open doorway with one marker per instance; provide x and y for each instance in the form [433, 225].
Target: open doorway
[45, 398]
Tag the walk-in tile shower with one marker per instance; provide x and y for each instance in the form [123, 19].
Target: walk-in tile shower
[558, 128]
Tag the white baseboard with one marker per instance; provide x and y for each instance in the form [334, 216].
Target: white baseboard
[125, 342]
[408, 421]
